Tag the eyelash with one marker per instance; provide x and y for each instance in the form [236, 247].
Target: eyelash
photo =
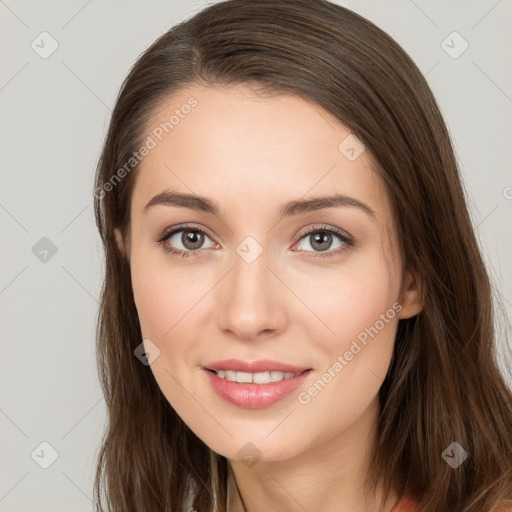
[348, 241]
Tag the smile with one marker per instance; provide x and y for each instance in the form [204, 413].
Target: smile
[256, 378]
[254, 390]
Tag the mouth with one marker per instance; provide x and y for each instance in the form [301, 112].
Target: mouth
[255, 390]
[265, 377]
[255, 384]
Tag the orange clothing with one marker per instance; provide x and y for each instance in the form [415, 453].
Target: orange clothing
[406, 504]
[409, 504]
[504, 506]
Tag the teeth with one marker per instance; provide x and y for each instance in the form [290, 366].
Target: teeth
[256, 378]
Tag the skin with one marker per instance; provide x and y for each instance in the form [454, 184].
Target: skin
[251, 154]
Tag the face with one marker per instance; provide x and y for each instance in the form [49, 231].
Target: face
[251, 274]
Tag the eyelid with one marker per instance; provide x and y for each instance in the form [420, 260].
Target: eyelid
[324, 227]
[167, 232]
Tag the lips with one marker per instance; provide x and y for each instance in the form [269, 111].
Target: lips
[255, 396]
[252, 395]
[262, 365]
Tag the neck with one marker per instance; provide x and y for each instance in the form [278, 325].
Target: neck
[327, 476]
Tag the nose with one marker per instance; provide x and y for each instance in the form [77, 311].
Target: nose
[252, 301]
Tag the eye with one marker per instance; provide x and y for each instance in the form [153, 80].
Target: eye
[321, 240]
[187, 239]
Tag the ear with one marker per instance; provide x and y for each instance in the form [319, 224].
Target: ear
[410, 299]
[122, 248]
[119, 240]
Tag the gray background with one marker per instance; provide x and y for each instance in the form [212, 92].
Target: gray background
[54, 116]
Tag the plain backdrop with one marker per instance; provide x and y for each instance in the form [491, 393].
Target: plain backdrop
[54, 115]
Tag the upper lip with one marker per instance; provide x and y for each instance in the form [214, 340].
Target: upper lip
[262, 365]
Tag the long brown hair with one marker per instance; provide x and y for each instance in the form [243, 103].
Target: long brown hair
[443, 385]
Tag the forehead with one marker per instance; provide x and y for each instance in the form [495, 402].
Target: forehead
[249, 150]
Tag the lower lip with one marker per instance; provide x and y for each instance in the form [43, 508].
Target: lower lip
[254, 396]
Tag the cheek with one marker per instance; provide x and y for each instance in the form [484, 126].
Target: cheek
[152, 298]
[362, 312]
[345, 303]
[358, 316]
[163, 292]
[164, 296]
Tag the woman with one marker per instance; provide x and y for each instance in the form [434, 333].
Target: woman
[295, 310]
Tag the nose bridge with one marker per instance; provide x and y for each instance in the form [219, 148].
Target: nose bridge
[249, 300]
[250, 273]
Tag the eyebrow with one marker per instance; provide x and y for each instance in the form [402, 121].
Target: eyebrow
[294, 207]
